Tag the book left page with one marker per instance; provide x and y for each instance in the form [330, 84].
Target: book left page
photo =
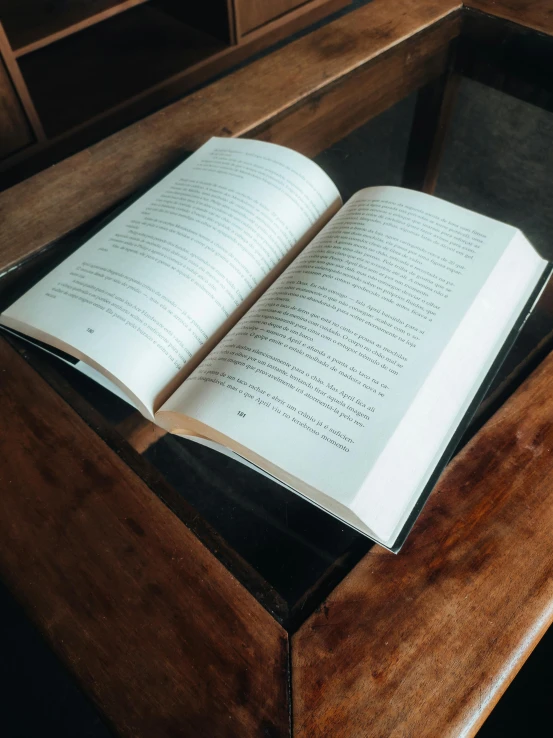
[149, 295]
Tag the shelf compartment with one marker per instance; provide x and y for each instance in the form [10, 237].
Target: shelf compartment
[33, 24]
[15, 131]
[85, 75]
[253, 14]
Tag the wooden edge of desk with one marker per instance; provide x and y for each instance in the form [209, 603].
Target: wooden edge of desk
[534, 14]
[154, 627]
[424, 643]
[40, 210]
[332, 113]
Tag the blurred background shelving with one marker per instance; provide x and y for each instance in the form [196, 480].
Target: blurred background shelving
[73, 71]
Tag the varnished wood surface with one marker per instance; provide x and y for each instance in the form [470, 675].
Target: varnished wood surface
[254, 17]
[113, 436]
[309, 11]
[54, 202]
[163, 637]
[252, 14]
[536, 14]
[330, 114]
[43, 208]
[423, 644]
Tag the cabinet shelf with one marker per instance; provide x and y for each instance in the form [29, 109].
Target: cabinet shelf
[73, 71]
[88, 73]
[53, 20]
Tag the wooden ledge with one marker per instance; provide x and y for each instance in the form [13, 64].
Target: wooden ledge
[165, 640]
[54, 202]
[424, 643]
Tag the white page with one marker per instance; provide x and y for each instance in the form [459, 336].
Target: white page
[405, 465]
[80, 366]
[142, 297]
[318, 375]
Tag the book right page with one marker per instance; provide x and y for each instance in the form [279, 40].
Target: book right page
[314, 382]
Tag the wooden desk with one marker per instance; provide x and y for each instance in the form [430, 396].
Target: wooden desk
[163, 623]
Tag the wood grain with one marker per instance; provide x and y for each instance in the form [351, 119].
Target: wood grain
[254, 13]
[329, 115]
[310, 11]
[20, 86]
[38, 211]
[424, 643]
[256, 17]
[153, 626]
[80, 401]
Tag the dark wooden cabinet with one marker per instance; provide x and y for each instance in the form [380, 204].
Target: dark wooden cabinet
[76, 70]
[15, 132]
[169, 624]
[253, 15]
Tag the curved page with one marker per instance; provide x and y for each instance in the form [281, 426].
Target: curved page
[316, 378]
[147, 297]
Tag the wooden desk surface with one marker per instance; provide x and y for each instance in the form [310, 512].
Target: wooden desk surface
[152, 624]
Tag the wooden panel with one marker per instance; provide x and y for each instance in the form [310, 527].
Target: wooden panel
[251, 14]
[20, 87]
[41, 209]
[173, 499]
[424, 643]
[255, 18]
[536, 14]
[329, 115]
[154, 627]
[15, 132]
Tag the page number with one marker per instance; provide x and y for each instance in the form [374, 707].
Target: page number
[90, 330]
[241, 414]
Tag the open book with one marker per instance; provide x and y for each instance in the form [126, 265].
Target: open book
[337, 349]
